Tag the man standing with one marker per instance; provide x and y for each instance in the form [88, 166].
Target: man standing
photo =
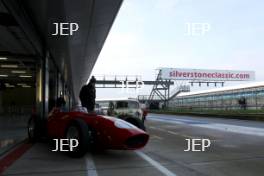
[88, 95]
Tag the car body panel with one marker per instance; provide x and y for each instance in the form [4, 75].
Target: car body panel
[106, 133]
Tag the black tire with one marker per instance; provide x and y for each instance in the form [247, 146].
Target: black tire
[137, 122]
[36, 129]
[84, 137]
[32, 129]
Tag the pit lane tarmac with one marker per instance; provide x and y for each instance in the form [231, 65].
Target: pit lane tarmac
[237, 149]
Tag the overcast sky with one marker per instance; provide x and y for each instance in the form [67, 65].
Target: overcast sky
[148, 34]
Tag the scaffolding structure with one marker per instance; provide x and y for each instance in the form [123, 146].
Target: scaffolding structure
[161, 89]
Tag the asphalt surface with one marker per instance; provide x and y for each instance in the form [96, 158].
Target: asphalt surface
[12, 131]
[237, 149]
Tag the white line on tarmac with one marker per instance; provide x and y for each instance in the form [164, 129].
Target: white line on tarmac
[172, 132]
[221, 127]
[154, 163]
[152, 127]
[182, 135]
[90, 166]
[159, 129]
[234, 129]
[157, 137]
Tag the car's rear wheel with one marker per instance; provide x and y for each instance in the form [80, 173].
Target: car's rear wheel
[31, 129]
[79, 130]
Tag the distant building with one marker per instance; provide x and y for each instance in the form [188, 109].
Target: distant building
[246, 96]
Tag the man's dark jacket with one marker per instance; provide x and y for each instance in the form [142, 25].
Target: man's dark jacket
[87, 96]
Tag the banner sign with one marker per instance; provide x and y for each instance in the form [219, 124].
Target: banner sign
[206, 75]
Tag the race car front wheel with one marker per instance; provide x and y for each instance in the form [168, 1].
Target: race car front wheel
[137, 122]
[32, 129]
[79, 130]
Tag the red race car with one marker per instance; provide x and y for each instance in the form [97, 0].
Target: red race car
[91, 130]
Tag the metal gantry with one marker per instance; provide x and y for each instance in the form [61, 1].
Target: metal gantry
[161, 89]
[124, 81]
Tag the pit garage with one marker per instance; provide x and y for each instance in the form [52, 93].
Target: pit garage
[37, 67]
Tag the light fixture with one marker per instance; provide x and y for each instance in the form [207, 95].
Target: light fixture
[25, 76]
[3, 75]
[18, 71]
[21, 84]
[8, 85]
[3, 58]
[9, 66]
[26, 86]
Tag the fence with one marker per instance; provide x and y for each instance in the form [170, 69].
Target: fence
[228, 100]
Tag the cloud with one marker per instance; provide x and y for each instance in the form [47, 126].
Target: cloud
[167, 6]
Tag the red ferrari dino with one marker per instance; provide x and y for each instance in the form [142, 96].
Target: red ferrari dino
[91, 130]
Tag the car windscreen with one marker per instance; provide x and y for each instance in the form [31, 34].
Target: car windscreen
[127, 104]
[121, 104]
[103, 104]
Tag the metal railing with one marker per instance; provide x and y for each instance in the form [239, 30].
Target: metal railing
[179, 89]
